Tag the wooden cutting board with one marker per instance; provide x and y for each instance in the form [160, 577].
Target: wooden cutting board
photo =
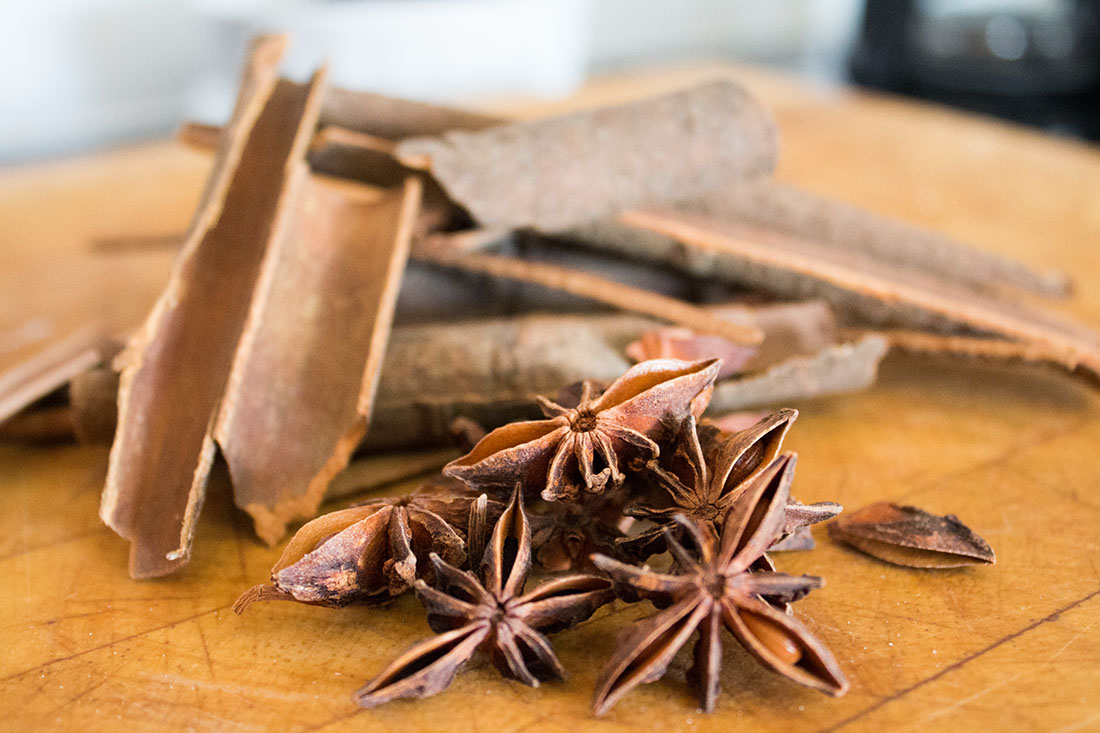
[1015, 454]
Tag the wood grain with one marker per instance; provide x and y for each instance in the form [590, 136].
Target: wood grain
[1012, 453]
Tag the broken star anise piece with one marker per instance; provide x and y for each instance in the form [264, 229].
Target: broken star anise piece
[704, 486]
[584, 449]
[723, 584]
[366, 554]
[490, 612]
[911, 537]
[795, 533]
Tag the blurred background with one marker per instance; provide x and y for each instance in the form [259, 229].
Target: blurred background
[84, 74]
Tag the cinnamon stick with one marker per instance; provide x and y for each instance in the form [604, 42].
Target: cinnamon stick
[979, 349]
[33, 369]
[555, 173]
[785, 208]
[610, 292]
[174, 372]
[489, 370]
[862, 288]
[300, 393]
[392, 118]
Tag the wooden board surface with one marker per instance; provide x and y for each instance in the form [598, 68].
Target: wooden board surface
[1016, 455]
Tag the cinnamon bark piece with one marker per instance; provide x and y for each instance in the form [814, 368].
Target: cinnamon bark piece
[556, 173]
[981, 349]
[394, 119]
[785, 208]
[610, 292]
[490, 369]
[32, 370]
[866, 290]
[300, 392]
[836, 369]
[174, 371]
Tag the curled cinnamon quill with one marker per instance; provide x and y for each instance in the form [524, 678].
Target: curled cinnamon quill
[906, 535]
[175, 370]
[301, 390]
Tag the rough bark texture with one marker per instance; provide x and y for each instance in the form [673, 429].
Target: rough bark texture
[394, 119]
[862, 288]
[586, 285]
[785, 208]
[561, 172]
[976, 348]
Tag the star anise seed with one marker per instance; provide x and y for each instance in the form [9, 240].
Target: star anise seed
[566, 533]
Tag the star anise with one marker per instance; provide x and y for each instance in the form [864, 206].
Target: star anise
[369, 553]
[726, 583]
[704, 486]
[584, 449]
[490, 612]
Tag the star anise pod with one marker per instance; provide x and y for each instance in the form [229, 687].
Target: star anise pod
[490, 612]
[584, 449]
[727, 583]
[704, 486]
[367, 554]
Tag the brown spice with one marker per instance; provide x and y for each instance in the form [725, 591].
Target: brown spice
[164, 448]
[585, 449]
[300, 393]
[721, 584]
[906, 535]
[837, 369]
[560, 172]
[367, 554]
[990, 350]
[488, 610]
[785, 208]
[567, 533]
[610, 292]
[870, 291]
[705, 488]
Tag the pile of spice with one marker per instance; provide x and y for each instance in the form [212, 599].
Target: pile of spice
[365, 278]
[609, 479]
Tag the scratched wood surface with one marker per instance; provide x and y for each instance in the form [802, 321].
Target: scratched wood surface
[1014, 454]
